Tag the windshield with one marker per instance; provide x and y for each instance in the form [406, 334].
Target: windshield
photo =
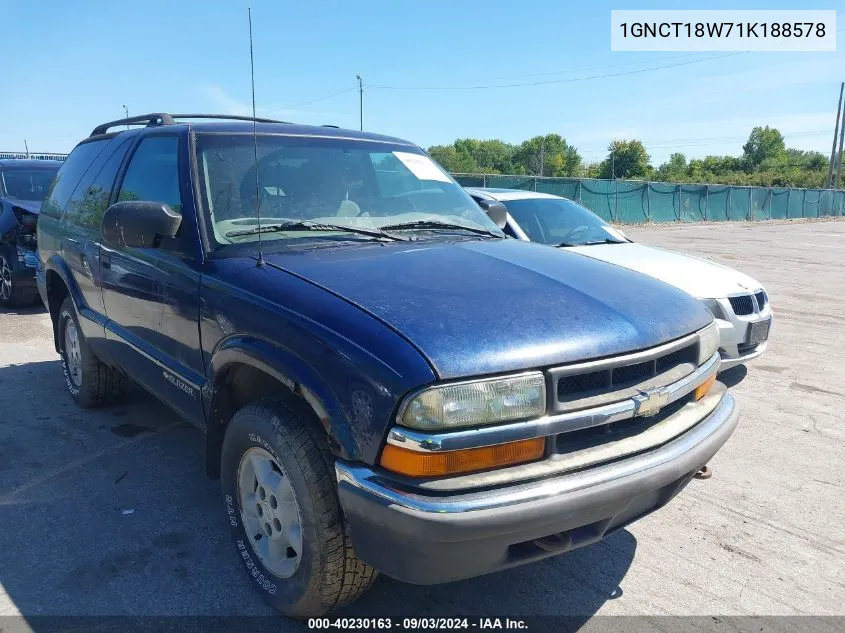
[28, 184]
[326, 181]
[560, 222]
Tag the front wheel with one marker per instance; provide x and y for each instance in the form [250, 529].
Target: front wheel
[281, 502]
[11, 294]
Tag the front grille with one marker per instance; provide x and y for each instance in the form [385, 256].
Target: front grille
[742, 305]
[761, 300]
[597, 435]
[616, 379]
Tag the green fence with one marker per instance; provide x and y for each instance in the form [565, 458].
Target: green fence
[636, 201]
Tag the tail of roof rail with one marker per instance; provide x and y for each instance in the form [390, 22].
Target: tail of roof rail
[156, 118]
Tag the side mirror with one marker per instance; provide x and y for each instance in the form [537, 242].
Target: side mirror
[496, 211]
[139, 224]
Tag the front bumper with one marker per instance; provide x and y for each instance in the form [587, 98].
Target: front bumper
[432, 538]
[733, 335]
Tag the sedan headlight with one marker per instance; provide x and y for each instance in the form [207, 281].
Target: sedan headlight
[708, 342]
[714, 307]
[476, 403]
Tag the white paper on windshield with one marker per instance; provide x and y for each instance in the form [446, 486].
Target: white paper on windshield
[614, 233]
[422, 166]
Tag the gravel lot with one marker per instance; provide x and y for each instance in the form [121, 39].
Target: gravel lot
[109, 512]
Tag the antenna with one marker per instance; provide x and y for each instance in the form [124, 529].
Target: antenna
[255, 142]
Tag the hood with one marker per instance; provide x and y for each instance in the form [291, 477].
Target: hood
[698, 277]
[33, 206]
[488, 306]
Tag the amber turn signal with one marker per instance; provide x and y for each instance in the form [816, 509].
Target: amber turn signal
[423, 464]
[704, 387]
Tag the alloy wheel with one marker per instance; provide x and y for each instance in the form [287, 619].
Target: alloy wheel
[269, 512]
[5, 279]
[73, 354]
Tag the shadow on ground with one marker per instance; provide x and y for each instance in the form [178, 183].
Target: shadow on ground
[37, 308]
[733, 376]
[108, 512]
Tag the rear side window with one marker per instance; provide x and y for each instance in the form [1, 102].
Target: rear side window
[96, 200]
[153, 173]
[71, 172]
[75, 209]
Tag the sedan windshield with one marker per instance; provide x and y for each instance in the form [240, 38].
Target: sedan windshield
[561, 222]
[28, 184]
[311, 188]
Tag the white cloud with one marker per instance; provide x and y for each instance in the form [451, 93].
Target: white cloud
[227, 104]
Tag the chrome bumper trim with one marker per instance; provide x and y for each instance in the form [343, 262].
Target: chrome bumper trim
[720, 423]
[548, 424]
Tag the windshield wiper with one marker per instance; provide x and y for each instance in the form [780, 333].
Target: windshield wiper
[304, 225]
[604, 241]
[437, 224]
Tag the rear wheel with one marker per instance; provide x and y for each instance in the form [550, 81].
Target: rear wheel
[11, 294]
[281, 501]
[89, 381]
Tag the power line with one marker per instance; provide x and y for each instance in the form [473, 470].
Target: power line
[310, 101]
[555, 81]
[585, 68]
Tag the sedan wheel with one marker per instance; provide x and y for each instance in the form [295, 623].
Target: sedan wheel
[5, 280]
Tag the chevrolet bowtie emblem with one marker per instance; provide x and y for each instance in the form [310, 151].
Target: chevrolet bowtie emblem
[650, 402]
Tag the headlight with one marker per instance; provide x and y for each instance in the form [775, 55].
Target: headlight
[708, 342]
[714, 307]
[476, 403]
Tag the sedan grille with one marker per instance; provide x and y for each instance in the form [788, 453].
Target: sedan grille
[742, 305]
[761, 300]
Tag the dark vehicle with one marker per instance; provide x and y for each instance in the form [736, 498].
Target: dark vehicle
[23, 185]
[384, 381]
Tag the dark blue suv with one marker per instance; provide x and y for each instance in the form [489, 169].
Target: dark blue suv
[384, 381]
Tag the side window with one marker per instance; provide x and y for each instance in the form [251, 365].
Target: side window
[96, 198]
[69, 175]
[153, 173]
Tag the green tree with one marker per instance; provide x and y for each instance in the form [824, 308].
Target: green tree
[673, 170]
[626, 159]
[765, 148]
[491, 156]
[548, 155]
[452, 160]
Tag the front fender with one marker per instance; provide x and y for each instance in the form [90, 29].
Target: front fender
[291, 371]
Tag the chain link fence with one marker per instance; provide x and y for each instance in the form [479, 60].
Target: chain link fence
[637, 201]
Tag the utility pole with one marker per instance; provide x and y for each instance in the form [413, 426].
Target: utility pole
[126, 112]
[839, 153]
[542, 155]
[360, 101]
[833, 160]
[27, 147]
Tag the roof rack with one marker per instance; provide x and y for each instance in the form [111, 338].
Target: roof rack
[162, 118]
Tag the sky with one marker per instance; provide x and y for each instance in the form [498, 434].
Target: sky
[68, 66]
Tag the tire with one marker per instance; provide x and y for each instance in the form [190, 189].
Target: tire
[89, 381]
[325, 573]
[11, 294]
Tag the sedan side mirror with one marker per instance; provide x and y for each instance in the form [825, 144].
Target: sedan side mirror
[496, 211]
[139, 224]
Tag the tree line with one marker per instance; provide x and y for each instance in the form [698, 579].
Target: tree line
[765, 161]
